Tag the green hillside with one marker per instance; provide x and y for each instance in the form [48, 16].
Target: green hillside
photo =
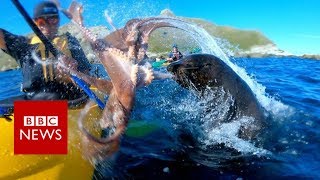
[244, 39]
[161, 40]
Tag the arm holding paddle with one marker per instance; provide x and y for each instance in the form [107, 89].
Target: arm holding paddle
[52, 75]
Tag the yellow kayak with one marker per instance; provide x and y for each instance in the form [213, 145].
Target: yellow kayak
[70, 166]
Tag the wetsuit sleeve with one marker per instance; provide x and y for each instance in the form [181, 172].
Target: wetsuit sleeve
[78, 54]
[17, 46]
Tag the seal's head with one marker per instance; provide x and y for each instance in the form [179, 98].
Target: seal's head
[203, 71]
[200, 70]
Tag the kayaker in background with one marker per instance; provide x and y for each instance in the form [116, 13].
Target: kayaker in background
[46, 81]
[175, 54]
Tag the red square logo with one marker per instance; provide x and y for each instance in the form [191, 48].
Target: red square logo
[40, 127]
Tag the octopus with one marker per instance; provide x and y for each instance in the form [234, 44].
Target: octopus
[121, 54]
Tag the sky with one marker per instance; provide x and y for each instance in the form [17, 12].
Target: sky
[293, 25]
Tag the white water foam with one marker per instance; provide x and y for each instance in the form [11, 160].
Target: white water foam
[227, 133]
[207, 119]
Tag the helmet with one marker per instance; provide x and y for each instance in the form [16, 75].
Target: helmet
[174, 46]
[45, 8]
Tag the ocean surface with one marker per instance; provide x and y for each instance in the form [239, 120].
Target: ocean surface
[175, 139]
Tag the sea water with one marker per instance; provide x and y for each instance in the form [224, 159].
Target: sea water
[290, 146]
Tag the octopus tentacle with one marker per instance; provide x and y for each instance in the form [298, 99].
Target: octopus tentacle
[114, 137]
[119, 53]
[123, 75]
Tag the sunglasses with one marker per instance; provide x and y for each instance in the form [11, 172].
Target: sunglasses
[52, 20]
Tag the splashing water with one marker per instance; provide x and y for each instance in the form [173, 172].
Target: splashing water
[208, 117]
[123, 11]
[208, 45]
[209, 120]
[207, 42]
[227, 133]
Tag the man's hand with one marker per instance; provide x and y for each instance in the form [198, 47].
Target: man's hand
[2, 42]
[169, 59]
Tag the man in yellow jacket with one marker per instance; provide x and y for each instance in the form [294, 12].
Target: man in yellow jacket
[45, 81]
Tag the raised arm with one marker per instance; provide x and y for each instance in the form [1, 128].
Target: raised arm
[14, 45]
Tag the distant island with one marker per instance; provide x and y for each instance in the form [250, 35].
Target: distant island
[239, 43]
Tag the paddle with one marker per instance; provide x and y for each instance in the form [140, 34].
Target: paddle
[55, 52]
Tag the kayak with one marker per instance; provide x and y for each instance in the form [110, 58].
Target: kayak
[70, 166]
[160, 63]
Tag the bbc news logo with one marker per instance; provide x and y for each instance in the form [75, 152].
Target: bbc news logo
[42, 121]
[40, 127]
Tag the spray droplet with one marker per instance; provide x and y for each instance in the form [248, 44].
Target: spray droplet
[166, 170]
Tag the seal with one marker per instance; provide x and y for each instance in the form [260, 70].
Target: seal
[203, 71]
